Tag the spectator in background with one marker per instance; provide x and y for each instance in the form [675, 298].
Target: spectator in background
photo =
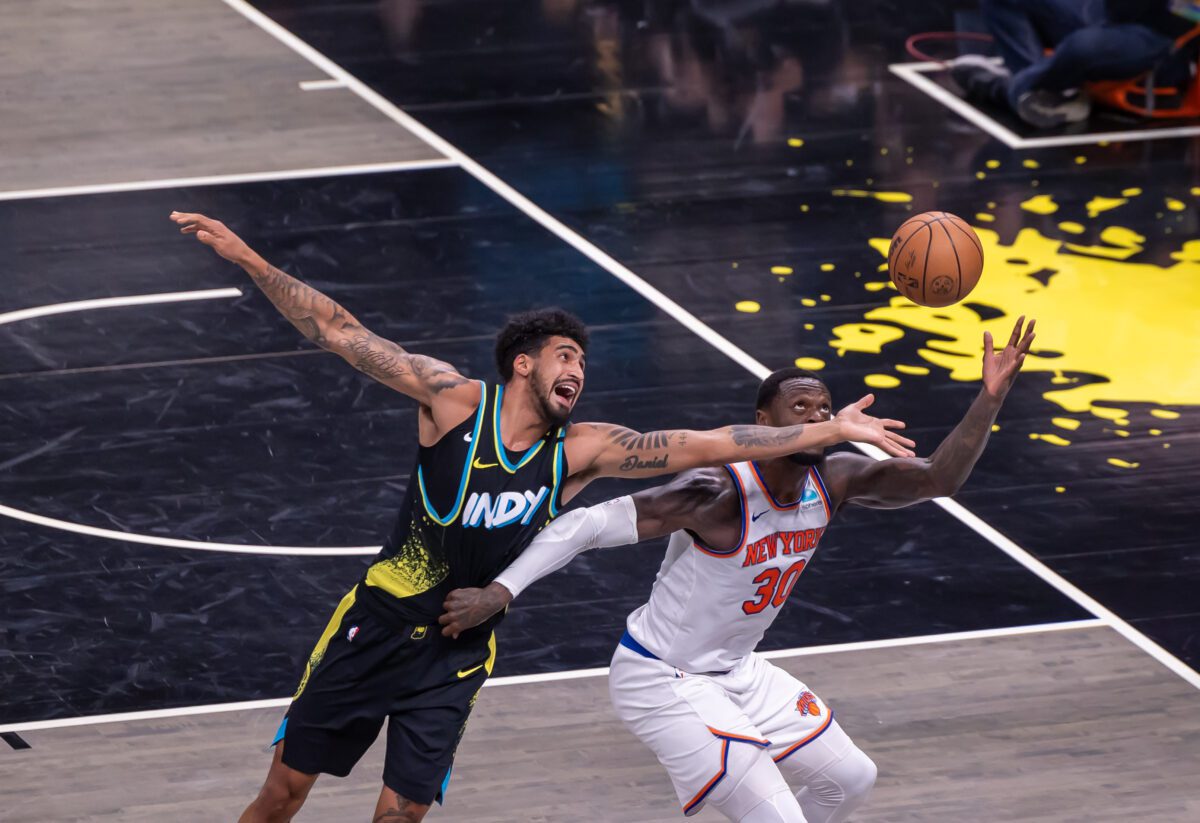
[1091, 40]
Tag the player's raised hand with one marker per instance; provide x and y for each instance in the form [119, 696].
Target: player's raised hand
[214, 234]
[861, 427]
[467, 608]
[1000, 370]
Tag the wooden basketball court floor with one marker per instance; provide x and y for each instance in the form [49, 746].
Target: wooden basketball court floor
[187, 489]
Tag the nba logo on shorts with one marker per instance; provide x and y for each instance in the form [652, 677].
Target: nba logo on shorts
[350, 634]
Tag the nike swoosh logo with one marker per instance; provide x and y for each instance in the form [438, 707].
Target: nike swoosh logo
[469, 672]
[755, 517]
[479, 465]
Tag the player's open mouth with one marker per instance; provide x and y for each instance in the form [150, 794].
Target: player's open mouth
[567, 392]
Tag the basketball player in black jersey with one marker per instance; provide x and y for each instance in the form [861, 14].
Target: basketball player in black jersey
[496, 464]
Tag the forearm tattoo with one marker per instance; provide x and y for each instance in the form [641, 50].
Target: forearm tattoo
[331, 327]
[308, 310]
[764, 436]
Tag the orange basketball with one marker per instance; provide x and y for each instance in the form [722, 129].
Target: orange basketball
[935, 259]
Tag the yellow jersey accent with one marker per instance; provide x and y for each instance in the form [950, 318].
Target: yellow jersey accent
[419, 633]
[488, 664]
[479, 465]
[410, 571]
[318, 651]
[469, 672]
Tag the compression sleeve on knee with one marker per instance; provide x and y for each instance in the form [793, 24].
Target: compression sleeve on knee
[613, 523]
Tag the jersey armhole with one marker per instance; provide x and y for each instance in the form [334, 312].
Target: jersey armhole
[560, 472]
[741, 493]
[819, 484]
[465, 477]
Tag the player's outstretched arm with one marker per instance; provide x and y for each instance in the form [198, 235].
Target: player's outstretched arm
[329, 325]
[615, 451]
[892, 484]
[689, 500]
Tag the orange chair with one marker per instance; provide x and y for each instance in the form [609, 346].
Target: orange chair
[1142, 96]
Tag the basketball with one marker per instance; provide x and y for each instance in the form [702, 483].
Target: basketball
[935, 259]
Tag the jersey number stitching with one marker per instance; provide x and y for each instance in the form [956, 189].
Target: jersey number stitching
[775, 587]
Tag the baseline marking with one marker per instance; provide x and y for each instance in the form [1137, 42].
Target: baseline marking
[914, 75]
[575, 674]
[229, 179]
[694, 324]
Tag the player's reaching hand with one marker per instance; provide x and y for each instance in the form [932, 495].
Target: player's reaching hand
[1000, 370]
[467, 608]
[860, 427]
[214, 234]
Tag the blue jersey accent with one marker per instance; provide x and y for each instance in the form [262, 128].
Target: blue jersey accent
[466, 472]
[502, 452]
[628, 642]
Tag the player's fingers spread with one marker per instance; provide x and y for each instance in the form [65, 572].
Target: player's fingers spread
[863, 402]
[901, 440]
[988, 348]
[893, 424]
[1016, 332]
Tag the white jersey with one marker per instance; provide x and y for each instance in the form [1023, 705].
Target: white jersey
[709, 608]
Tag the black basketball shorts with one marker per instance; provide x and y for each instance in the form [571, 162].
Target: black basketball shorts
[362, 671]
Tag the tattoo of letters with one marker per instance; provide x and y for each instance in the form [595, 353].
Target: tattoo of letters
[752, 436]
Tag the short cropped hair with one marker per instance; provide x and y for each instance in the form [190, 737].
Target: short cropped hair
[527, 332]
[768, 390]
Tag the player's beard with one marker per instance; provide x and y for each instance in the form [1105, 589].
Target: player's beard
[544, 393]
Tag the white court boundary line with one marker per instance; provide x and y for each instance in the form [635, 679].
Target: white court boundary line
[694, 324]
[914, 75]
[228, 179]
[148, 539]
[576, 674]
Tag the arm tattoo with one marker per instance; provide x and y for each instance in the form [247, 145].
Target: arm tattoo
[308, 310]
[633, 441]
[753, 436]
[376, 357]
[327, 324]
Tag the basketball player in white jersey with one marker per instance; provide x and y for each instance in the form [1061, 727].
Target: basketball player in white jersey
[730, 728]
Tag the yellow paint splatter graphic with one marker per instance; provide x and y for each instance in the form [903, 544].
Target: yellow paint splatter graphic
[1175, 205]
[984, 217]
[1039, 204]
[1122, 464]
[1098, 205]
[882, 196]
[1130, 192]
[903, 369]
[795, 142]
[877, 285]
[781, 270]
[811, 363]
[748, 306]
[881, 381]
[807, 301]
[1071, 228]
[1060, 489]
[1031, 164]
[992, 164]
[1068, 423]
[1112, 332]
[826, 267]
[1119, 244]
[864, 337]
[1052, 439]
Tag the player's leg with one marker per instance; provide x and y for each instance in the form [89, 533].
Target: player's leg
[427, 720]
[832, 776]
[282, 794]
[392, 808]
[712, 753]
[336, 713]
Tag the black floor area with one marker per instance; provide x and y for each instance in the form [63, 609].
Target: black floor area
[662, 135]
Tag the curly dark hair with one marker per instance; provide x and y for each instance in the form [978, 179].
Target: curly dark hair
[527, 332]
[768, 390]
